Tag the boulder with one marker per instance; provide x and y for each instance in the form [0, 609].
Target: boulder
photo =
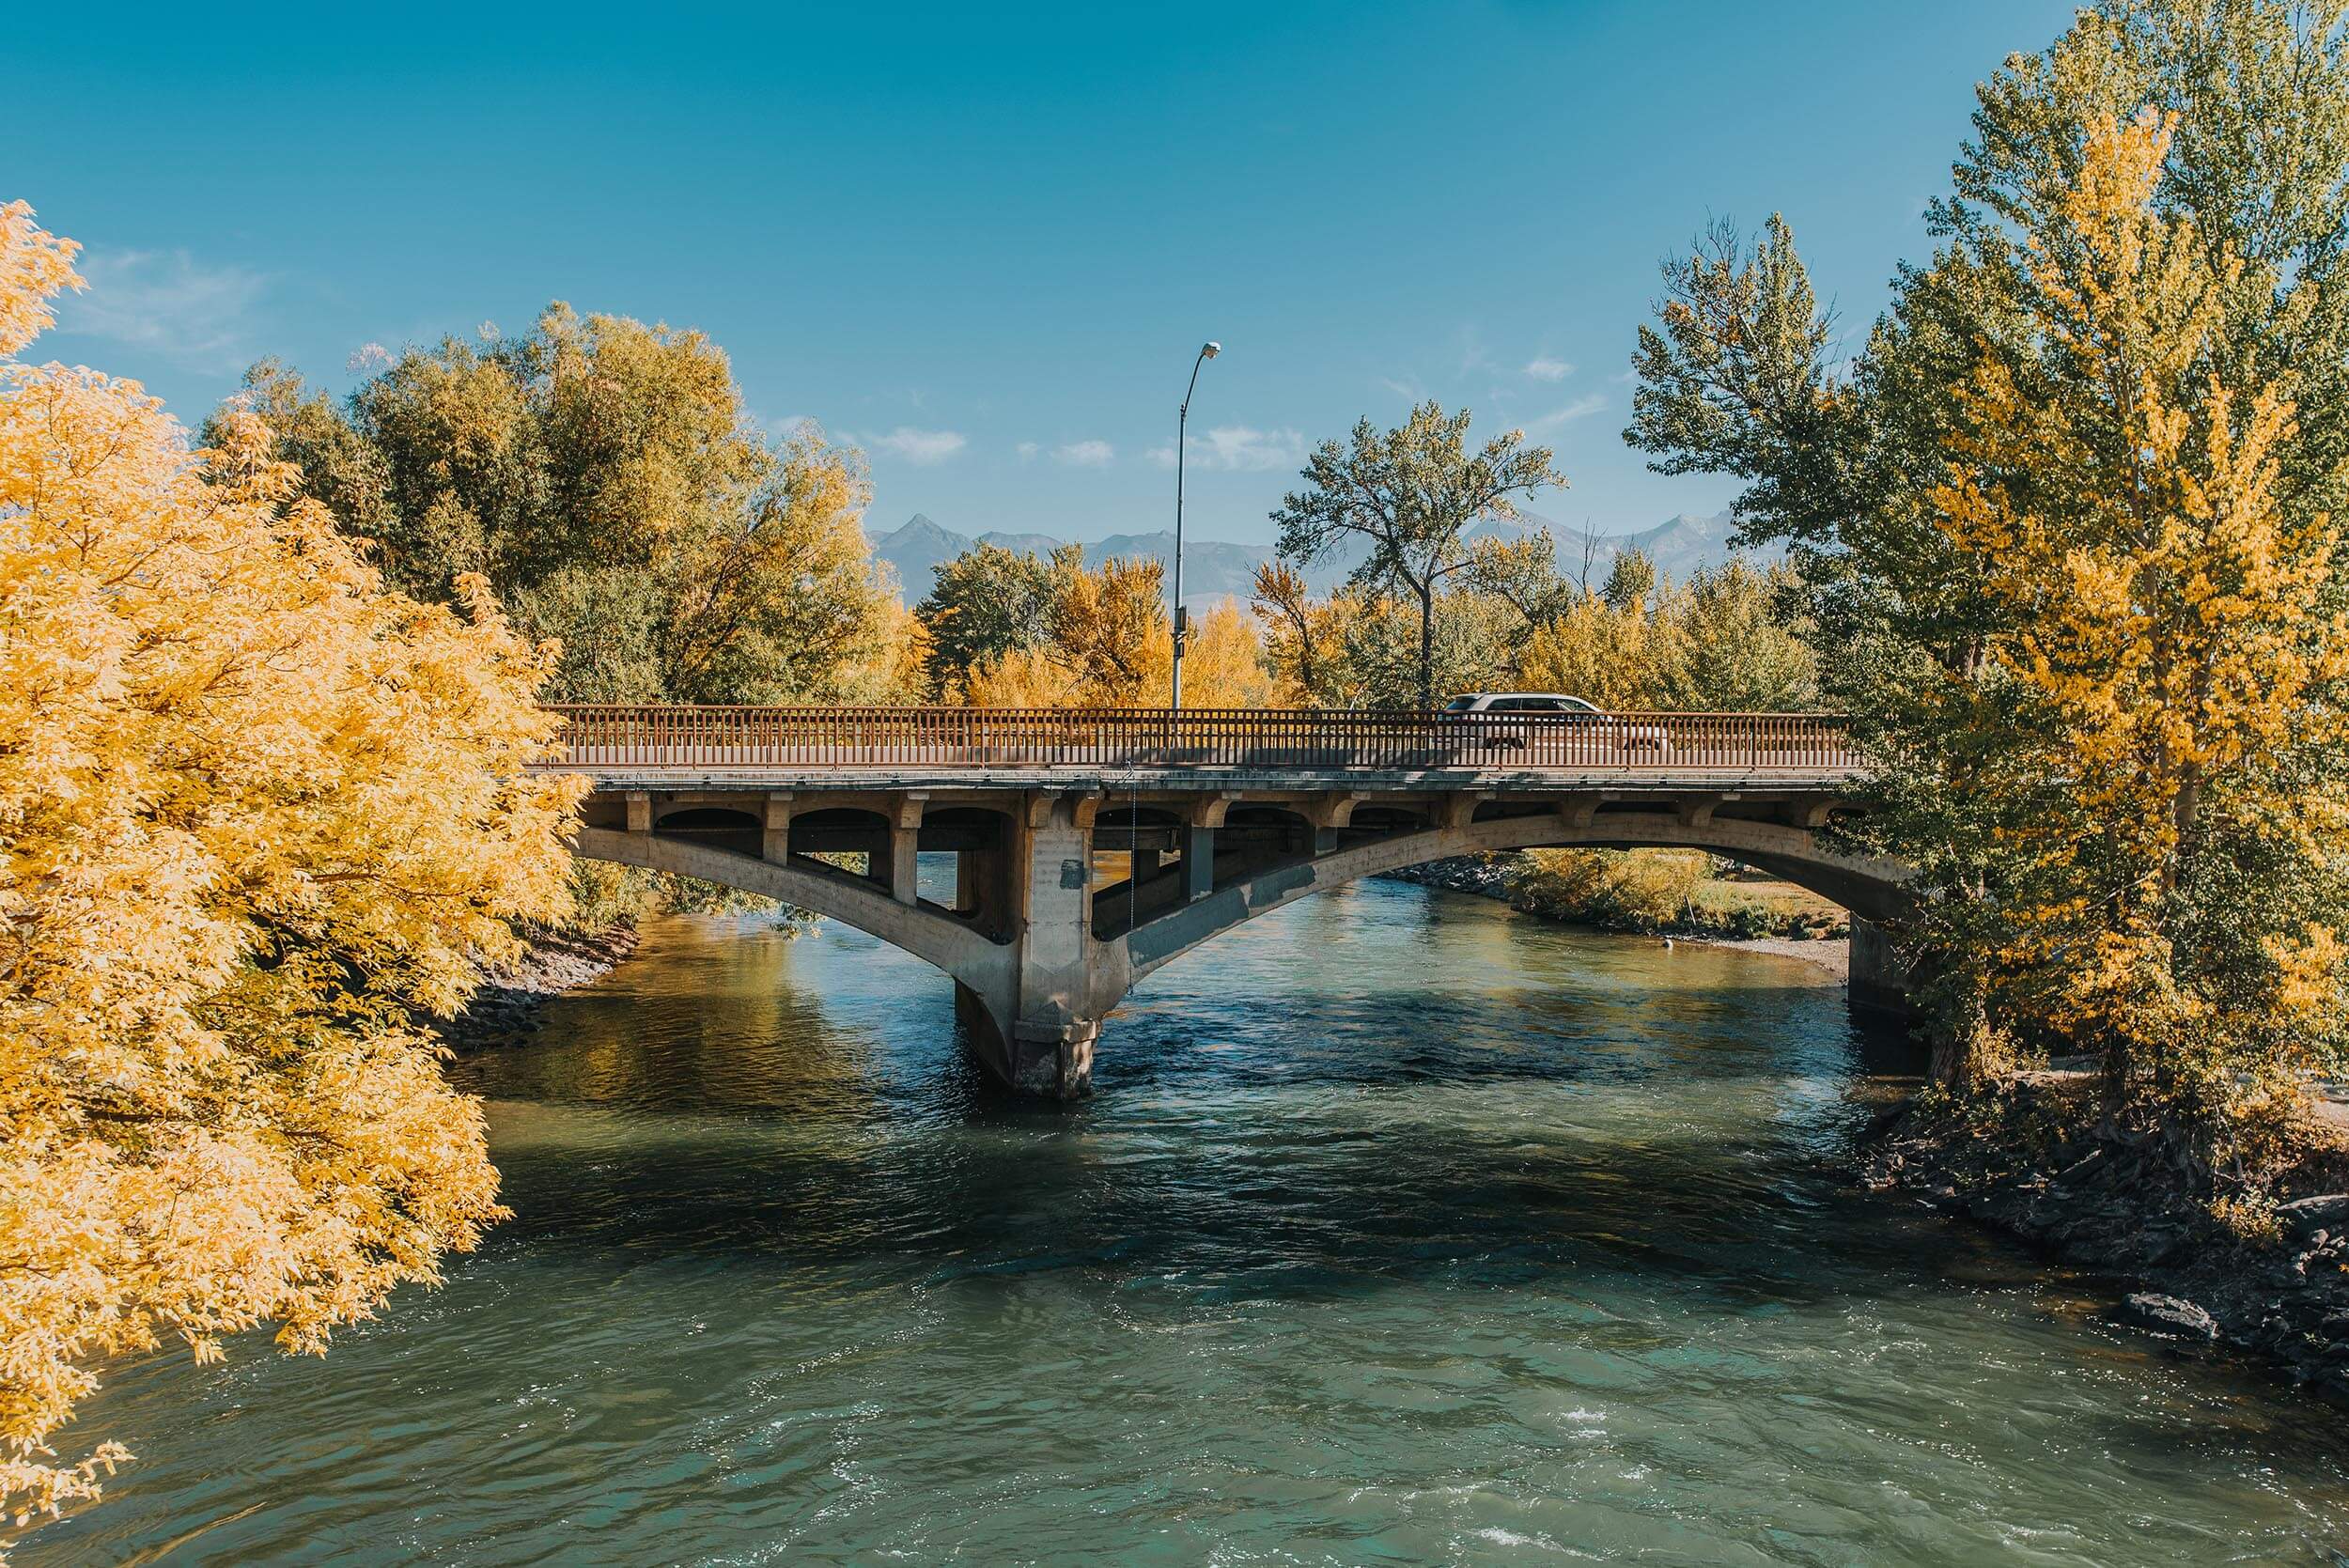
[2303, 1216]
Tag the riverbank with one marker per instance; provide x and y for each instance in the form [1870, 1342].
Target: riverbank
[1497, 877]
[2270, 1280]
[510, 1001]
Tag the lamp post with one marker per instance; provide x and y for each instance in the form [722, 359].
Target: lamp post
[1182, 430]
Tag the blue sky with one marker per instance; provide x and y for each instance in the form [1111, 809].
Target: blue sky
[984, 242]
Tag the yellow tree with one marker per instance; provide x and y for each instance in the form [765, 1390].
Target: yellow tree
[1105, 641]
[1603, 653]
[2171, 678]
[256, 815]
[1108, 627]
[1224, 665]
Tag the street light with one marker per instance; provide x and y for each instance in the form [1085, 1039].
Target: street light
[1182, 430]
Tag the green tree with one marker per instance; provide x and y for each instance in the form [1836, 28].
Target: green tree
[1523, 574]
[1407, 494]
[1629, 580]
[1395, 654]
[2057, 521]
[986, 602]
[1731, 644]
[602, 475]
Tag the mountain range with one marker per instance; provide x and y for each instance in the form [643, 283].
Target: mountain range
[1214, 568]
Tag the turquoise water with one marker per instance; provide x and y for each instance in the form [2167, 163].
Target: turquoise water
[1401, 1229]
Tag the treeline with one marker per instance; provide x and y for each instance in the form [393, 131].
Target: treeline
[602, 477]
[1729, 638]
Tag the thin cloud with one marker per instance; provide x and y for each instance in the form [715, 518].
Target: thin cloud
[1239, 449]
[922, 448]
[1581, 408]
[1541, 368]
[1473, 354]
[1084, 454]
[167, 301]
[1027, 450]
[1405, 387]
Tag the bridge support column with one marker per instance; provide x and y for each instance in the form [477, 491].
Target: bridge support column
[1330, 815]
[1035, 1030]
[1206, 816]
[1198, 862]
[904, 837]
[1879, 981]
[775, 843]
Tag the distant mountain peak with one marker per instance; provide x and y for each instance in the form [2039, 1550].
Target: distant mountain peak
[920, 527]
[1214, 570]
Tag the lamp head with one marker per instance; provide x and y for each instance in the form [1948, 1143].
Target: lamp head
[1211, 350]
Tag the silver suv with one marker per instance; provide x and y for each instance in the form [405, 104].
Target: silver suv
[1554, 716]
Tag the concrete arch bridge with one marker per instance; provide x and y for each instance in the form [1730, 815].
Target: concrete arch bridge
[1092, 847]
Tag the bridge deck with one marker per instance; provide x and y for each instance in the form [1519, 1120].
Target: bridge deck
[679, 746]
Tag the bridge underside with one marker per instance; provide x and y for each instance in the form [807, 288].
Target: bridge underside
[1067, 890]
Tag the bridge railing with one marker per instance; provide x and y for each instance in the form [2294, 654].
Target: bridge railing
[1272, 740]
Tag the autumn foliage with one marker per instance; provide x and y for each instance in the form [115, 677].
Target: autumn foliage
[1012, 629]
[2066, 530]
[257, 817]
[2174, 658]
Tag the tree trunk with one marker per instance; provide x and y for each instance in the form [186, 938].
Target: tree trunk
[1427, 649]
[1954, 1050]
[1957, 1046]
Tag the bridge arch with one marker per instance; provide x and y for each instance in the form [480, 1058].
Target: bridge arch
[937, 938]
[1868, 886]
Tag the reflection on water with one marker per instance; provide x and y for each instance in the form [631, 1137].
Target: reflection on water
[1401, 1229]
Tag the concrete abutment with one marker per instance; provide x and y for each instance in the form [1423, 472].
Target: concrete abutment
[1879, 981]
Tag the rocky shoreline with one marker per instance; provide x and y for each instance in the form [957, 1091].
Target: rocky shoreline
[509, 1005]
[2273, 1283]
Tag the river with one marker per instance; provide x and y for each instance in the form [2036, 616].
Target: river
[1401, 1229]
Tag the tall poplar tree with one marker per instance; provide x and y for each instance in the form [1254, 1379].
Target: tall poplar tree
[2064, 522]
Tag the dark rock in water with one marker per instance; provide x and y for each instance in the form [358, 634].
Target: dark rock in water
[507, 1007]
[2169, 1314]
